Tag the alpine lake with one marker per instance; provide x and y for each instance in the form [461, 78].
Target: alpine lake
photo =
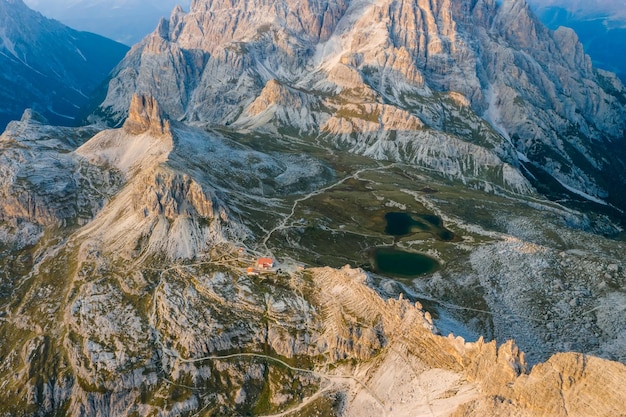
[390, 260]
[370, 222]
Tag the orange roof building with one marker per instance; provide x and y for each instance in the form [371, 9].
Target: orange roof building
[265, 263]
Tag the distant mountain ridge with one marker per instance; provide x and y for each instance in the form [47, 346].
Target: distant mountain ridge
[126, 21]
[600, 25]
[49, 66]
[611, 10]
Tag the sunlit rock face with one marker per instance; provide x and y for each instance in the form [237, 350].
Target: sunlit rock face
[145, 115]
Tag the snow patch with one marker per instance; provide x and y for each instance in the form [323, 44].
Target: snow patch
[81, 54]
[65, 116]
[8, 44]
[582, 193]
[522, 157]
[492, 114]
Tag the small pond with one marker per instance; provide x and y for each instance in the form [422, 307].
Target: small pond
[399, 263]
[403, 224]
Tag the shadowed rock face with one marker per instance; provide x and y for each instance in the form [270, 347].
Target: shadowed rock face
[144, 115]
[48, 66]
[601, 25]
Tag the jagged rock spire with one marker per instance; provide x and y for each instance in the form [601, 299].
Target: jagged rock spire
[32, 115]
[145, 115]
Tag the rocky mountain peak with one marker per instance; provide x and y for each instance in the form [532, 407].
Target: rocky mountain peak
[518, 24]
[273, 93]
[222, 21]
[230, 62]
[32, 115]
[13, 3]
[163, 29]
[145, 115]
[572, 49]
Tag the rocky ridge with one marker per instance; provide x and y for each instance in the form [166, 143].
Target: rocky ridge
[42, 186]
[358, 66]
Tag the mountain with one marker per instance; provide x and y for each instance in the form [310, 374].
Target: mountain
[601, 26]
[393, 159]
[533, 98]
[125, 290]
[126, 21]
[49, 66]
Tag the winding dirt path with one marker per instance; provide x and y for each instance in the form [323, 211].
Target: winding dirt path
[334, 379]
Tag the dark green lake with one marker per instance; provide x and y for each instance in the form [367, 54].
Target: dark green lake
[403, 224]
[392, 261]
[398, 224]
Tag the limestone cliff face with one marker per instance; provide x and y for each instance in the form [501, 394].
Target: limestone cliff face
[492, 380]
[547, 107]
[565, 376]
[144, 115]
[220, 22]
[42, 184]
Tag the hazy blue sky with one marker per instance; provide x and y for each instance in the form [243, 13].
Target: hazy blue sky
[613, 9]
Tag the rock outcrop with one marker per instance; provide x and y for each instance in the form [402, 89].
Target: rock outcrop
[144, 115]
[42, 185]
[473, 378]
